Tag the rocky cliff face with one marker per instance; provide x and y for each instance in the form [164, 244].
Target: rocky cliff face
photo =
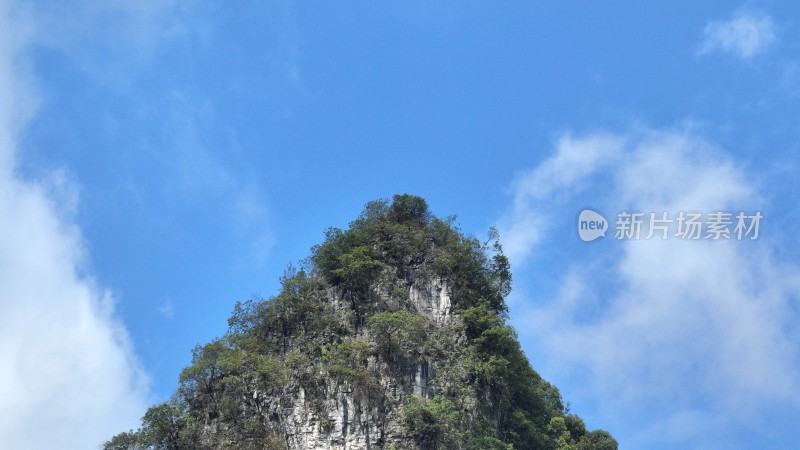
[349, 421]
[431, 298]
[392, 336]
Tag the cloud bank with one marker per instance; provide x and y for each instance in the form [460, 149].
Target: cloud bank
[69, 378]
[698, 331]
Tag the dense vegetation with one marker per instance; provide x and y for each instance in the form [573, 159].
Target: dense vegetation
[345, 317]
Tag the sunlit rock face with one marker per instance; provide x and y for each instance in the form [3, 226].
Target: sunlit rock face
[431, 298]
[346, 419]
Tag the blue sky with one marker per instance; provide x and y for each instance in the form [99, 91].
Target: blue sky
[161, 160]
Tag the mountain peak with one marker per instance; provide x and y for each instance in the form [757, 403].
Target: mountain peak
[392, 335]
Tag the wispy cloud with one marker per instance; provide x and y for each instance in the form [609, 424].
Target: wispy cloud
[198, 172]
[745, 35]
[167, 310]
[524, 226]
[790, 79]
[69, 377]
[111, 40]
[251, 222]
[666, 334]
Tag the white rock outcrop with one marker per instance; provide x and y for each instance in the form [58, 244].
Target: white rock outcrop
[431, 298]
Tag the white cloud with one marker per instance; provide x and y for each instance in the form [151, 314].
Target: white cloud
[686, 331]
[745, 35]
[578, 158]
[69, 378]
